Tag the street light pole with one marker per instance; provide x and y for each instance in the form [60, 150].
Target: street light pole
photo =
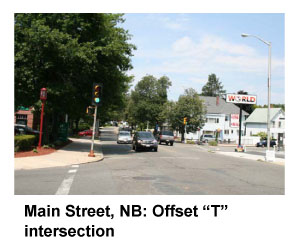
[269, 96]
[269, 89]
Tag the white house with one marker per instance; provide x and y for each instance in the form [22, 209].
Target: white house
[257, 122]
[223, 117]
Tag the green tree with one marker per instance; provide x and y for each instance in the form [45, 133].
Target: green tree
[189, 105]
[66, 53]
[147, 101]
[213, 87]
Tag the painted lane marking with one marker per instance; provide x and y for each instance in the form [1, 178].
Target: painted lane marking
[72, 171]
[65, 186]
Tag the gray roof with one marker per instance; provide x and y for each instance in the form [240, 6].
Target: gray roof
[259, 115]
[223, 107]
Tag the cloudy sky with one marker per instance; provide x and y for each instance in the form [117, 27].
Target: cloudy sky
[189, 47]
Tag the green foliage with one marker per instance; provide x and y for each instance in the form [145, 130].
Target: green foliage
[35, 150]
[212, 143]
[23, 142]
[191, 142]
[213, 87]
[147, 100]
[189, 105]
[84, 126]
[66, 53]
[282, 106]
[263, 135]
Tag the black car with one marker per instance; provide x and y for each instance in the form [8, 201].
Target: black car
[144, 140]
[24, 129]
[263, 143]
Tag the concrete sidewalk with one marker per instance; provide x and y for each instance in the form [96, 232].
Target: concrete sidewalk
[278, 161]
[73, 153]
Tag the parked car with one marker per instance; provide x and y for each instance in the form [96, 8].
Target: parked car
[207, 137]
[165, 137]
[124, 137]
[87, 132]
[144, 140]
[263, 143]
[24, 129]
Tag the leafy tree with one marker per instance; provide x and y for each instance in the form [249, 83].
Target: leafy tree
[189, 105]
[213, 87]
[147, 101]
[66, 53]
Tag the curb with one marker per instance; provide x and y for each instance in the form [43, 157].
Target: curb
[58, 159]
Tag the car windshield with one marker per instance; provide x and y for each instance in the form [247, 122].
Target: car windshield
[146, 135]
[124, 134]
[170, 133]
[208, 136]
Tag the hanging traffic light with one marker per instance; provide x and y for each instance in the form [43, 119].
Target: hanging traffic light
[97, 94]
[184, 120]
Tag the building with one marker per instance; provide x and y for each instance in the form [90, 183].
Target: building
[221, 117]
[24, 116]
[257, 122]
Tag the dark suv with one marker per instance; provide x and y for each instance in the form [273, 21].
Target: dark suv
[263, 143]
[144, 140]
[165, 137]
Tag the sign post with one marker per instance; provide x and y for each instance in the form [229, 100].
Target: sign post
[241, 99]
[43, 98]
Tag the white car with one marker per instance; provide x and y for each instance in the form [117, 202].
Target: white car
[124, 137]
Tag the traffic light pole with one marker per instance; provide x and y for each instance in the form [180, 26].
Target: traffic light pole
[91, 154]
[185, 133]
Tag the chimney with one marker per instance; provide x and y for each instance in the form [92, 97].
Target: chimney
[217, 100]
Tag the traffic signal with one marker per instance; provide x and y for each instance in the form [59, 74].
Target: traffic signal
[185, 120]
[97, 94]
[90, 110]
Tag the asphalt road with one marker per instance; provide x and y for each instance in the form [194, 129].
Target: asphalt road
[173, 170]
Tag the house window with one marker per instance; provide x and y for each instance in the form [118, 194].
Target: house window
[212, 120]
[279, 124]
[21, 119]
[232, 131]
[227, 131]
[227, 118]
[273, 124]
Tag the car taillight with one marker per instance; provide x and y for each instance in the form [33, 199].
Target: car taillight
[160, 136]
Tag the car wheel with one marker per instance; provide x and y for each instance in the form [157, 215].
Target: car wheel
[160, 142]
[172, 143]
[155, 149]
[137, 149]
[167, 143]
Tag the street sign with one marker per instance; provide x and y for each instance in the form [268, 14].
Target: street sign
[240, 98]
[234, 121]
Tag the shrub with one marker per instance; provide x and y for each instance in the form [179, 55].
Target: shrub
[212, 143]
[190, 142]
[23, 142]
[83, 126]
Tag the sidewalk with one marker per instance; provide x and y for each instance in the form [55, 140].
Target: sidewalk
[278, 161]
[73, 153]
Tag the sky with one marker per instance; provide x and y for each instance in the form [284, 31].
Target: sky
[189, 47]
